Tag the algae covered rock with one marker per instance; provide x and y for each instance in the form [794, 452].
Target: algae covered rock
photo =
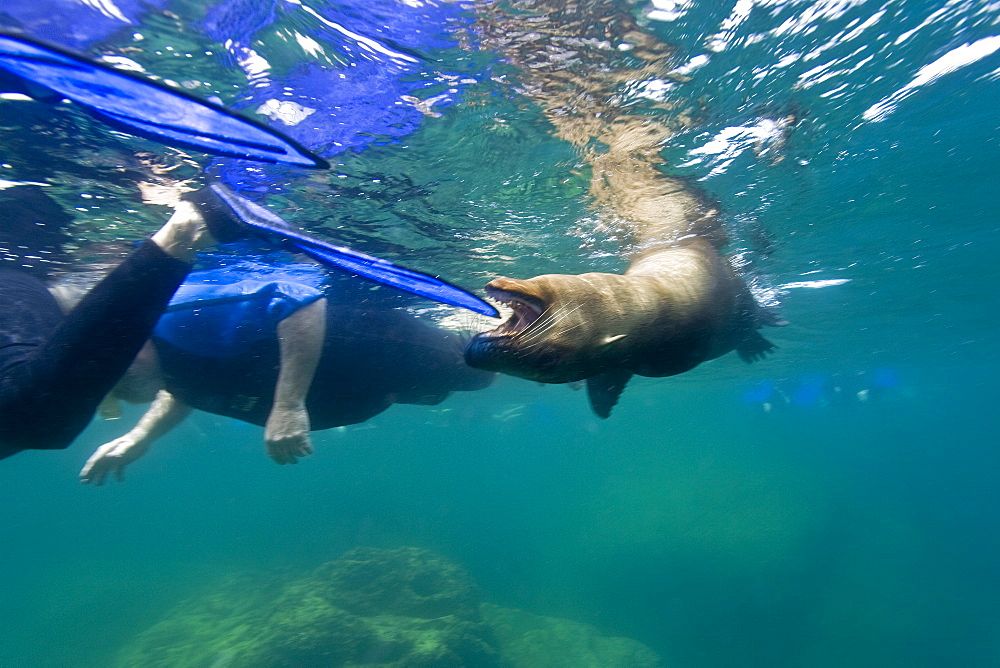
[533, 641]
[372, 608]
[304, 629]
[404, 581]
[308, 628]
[401, 608]
[208, 630]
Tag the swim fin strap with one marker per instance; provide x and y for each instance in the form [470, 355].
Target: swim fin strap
[266, 224]
[148, 108]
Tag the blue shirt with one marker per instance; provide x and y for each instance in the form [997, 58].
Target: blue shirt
[221, 312]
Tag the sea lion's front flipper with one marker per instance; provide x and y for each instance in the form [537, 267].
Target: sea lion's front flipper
[604, 390]
[753, 347]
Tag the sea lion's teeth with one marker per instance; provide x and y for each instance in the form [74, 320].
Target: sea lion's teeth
[524, 315]
[533, 308]
[522, 312]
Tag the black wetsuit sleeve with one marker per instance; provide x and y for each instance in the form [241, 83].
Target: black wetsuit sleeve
[55, 370]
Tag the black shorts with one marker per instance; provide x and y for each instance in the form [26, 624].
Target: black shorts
[55, 370]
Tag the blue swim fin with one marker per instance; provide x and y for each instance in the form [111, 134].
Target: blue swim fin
[383, 271]
[262, 223]
[148, 108]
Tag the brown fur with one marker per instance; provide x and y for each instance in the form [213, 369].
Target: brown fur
[680, 302]
[671, 310]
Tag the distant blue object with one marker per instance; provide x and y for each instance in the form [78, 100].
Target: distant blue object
[759, 392]
[885, 378]
[268, 225]
[148, 108]
[810, 391]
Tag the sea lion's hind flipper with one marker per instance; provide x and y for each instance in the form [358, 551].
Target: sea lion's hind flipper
[770, 316]
[604, 389]
[754, 347]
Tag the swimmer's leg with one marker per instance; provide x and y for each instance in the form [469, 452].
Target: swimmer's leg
[55, 371]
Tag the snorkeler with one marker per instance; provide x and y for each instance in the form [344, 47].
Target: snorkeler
[224, 349]
[56, 367]
[56, 364]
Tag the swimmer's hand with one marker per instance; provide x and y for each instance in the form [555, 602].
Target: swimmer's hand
[286, 433]
[164, 414]
[113, 456]
[300, 341]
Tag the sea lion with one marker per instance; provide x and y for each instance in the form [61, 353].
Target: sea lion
[594, 72]
[671, 310]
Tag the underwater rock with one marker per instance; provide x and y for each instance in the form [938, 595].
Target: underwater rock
[400, 608]
[530, 641]
[404, 581]
[309, 628]
[372, 608]
[305, 630]
[210, 630]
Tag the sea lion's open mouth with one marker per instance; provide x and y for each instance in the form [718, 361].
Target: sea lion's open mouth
[526, 309]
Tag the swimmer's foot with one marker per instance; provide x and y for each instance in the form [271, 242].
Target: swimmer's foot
[230, 217]
[185, 233]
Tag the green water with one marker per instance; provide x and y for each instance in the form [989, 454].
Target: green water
[861, 533]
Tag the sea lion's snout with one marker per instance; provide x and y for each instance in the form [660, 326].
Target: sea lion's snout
[526, 308]
[544, 336]
[499, 349]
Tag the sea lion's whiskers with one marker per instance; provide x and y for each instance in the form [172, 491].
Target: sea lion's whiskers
[540, 323]
[543, 322]
[539, 329]
[564, 312]
[540, 340]
[535, 344]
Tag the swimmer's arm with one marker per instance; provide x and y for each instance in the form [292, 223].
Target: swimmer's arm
[165, 413]
[300, 337]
